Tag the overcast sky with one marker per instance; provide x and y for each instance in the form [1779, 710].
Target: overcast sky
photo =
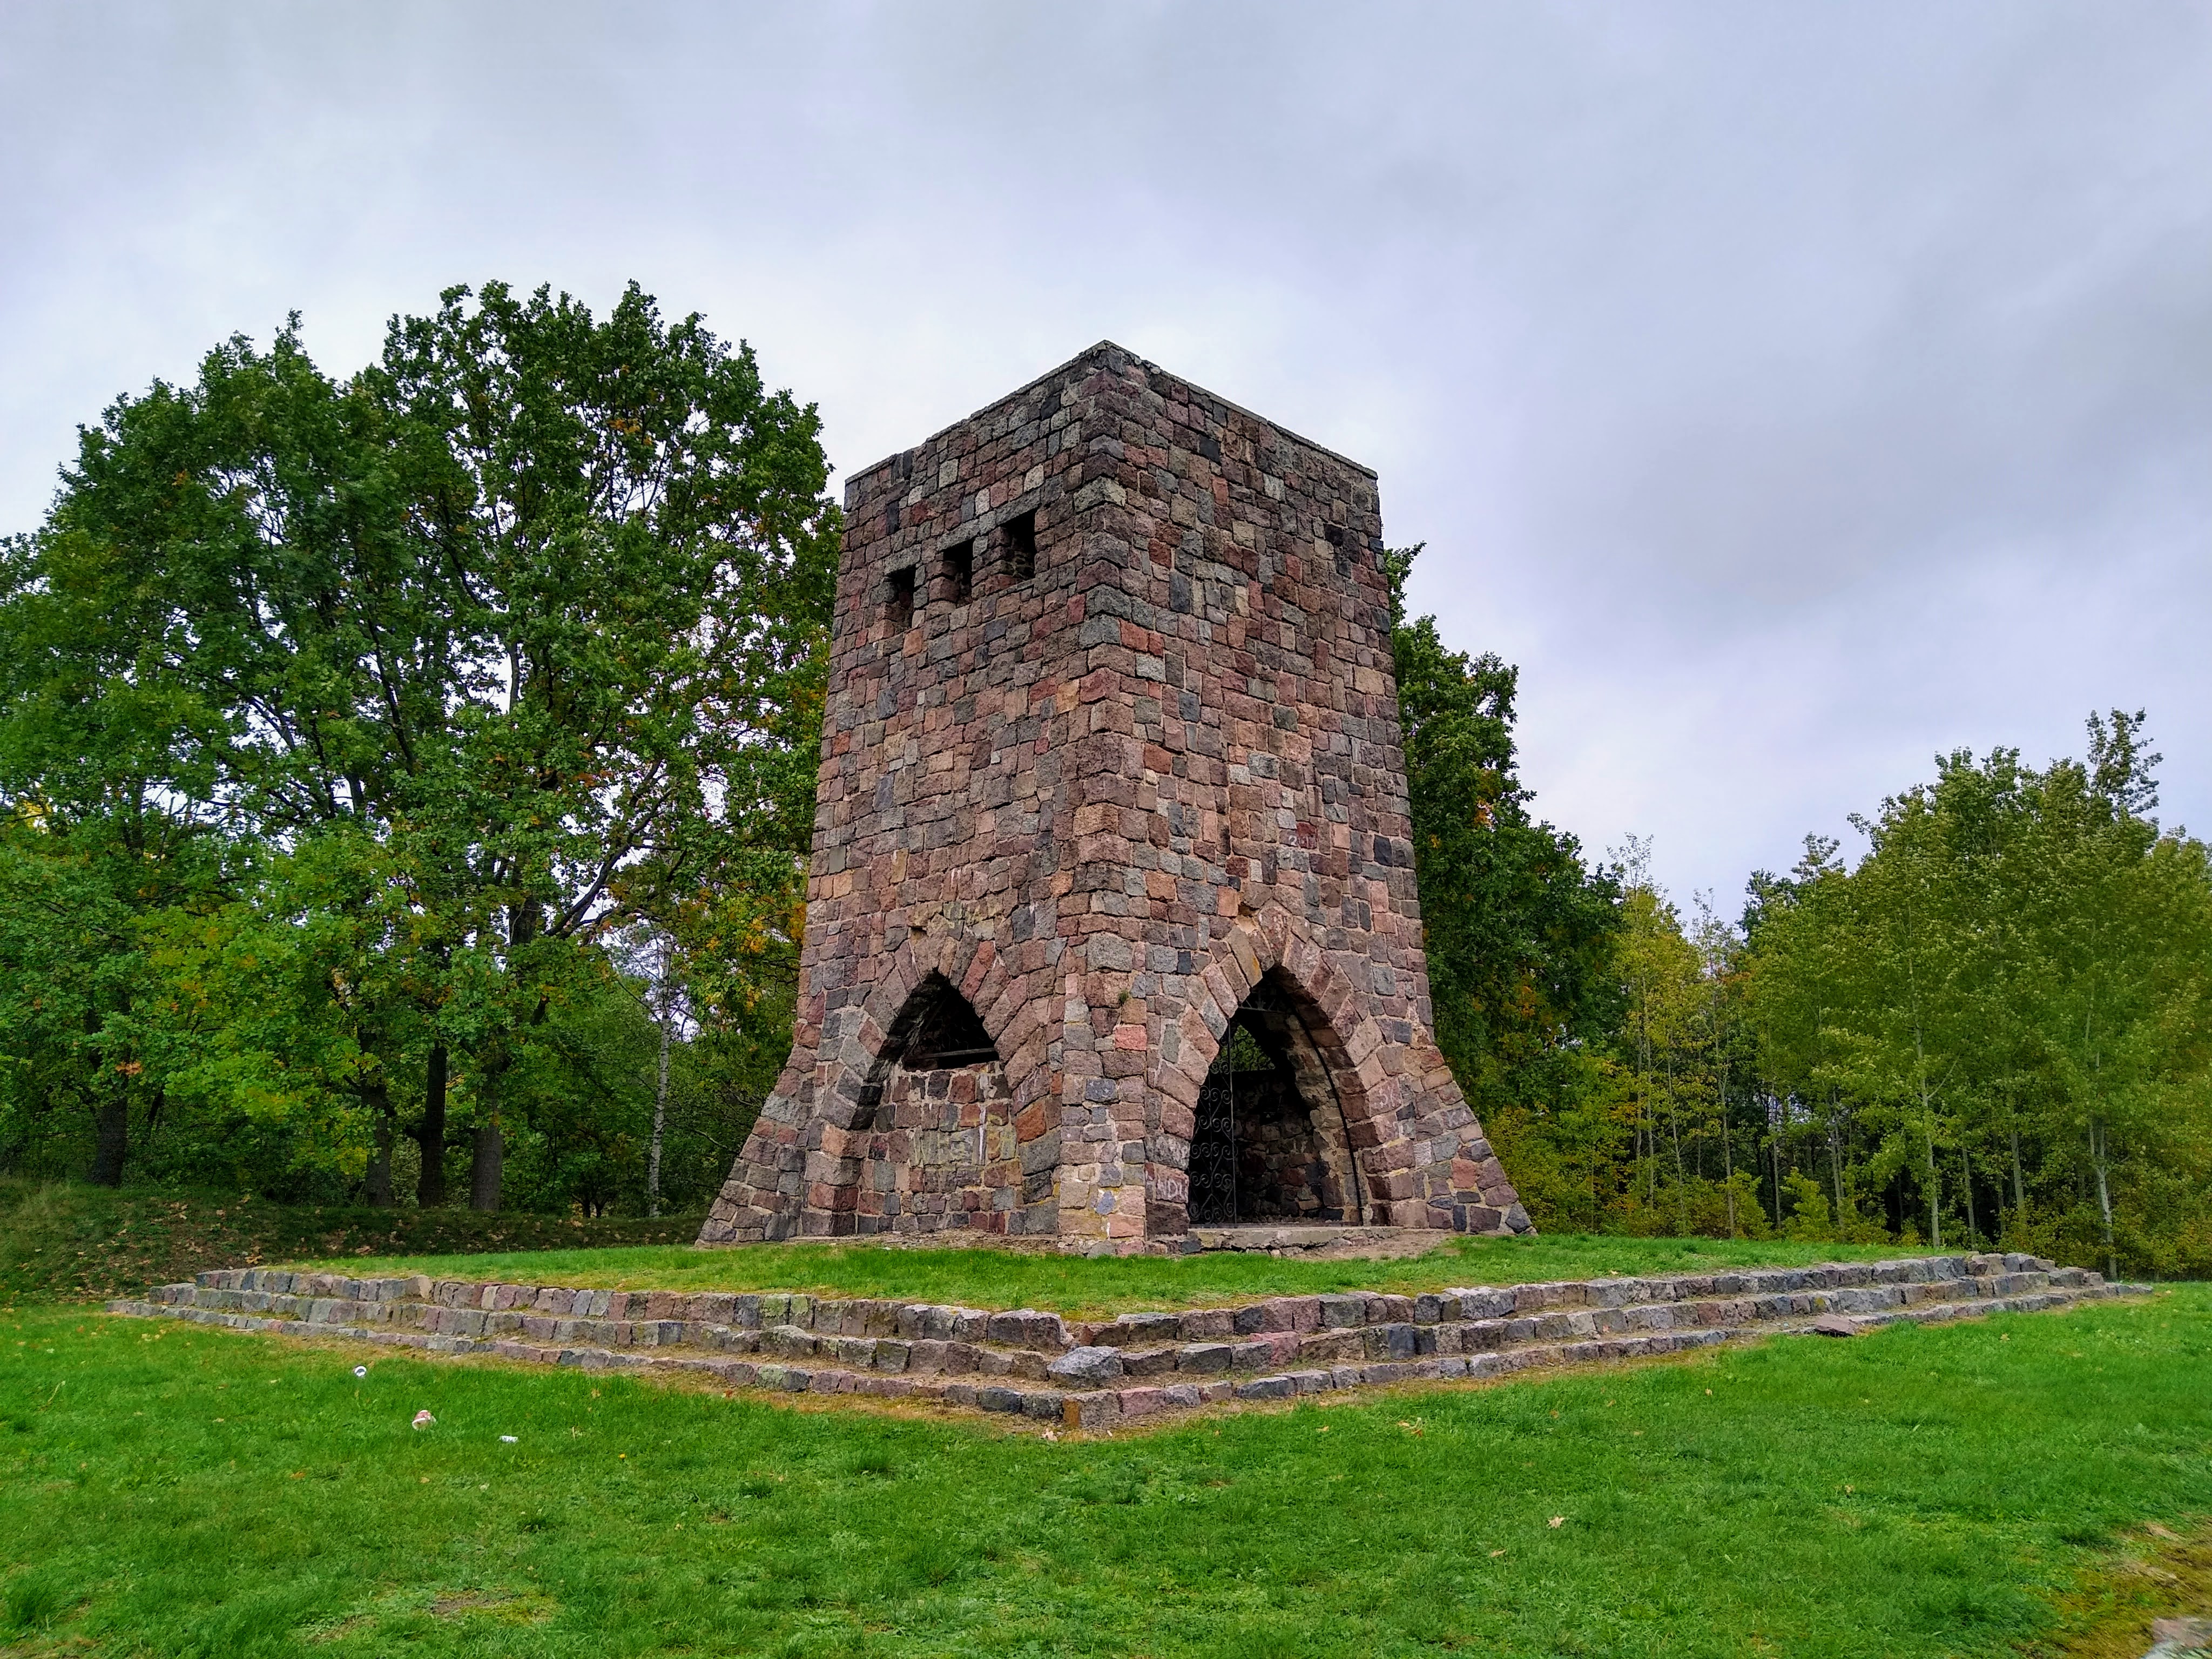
[1792, 391]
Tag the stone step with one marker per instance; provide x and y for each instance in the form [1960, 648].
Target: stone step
[1278, 1332]
[1060, 1399]
[1142, 1363]
[1773, 1290]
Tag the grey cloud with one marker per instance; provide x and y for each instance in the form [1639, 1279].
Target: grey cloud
[1793, 391]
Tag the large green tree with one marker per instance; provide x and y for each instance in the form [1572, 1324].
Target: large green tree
[513, 638]
[643, 559]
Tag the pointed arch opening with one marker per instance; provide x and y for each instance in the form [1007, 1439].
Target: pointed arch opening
[939, 1030]
[936, 1147]
[1271, 1143]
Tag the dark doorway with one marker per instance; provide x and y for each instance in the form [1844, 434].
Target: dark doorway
[938, 1028]
[1213, 1195]
[1264, 1147]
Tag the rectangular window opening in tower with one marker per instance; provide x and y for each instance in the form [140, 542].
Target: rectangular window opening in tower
[1021, 546]
[898, 604]
[1342, 545]
[959, 571]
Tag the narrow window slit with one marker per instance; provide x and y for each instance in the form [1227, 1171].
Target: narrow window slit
[899, 607]
[959, 571]
[1021, 546]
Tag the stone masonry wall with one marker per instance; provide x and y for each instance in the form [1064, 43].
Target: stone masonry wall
[941, 1153]
[1281, 1175]
[1108, 1373]
[1103, 787]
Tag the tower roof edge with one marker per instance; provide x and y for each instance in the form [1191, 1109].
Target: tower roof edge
[1153, 371]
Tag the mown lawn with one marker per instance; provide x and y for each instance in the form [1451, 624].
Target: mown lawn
[172, 1490]
[1111, 1284]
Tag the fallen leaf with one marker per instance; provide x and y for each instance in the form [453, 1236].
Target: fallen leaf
[1559, 1520]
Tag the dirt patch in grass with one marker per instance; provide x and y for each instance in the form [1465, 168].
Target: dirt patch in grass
[509, 1607]
[2162, 1571]
[391, 1614]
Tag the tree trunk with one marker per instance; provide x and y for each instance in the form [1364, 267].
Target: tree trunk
[2104, 1195]
[1774, 1146]
[2097, 1148]
[1728, 1164]
[376, 1183]
[659, 1121]
[145, 1144]
[1966, 1187]
[430, 1189]
[111, 1141]
[1935, 1194]
[1675, 1134]
[487, 1162]
[2019, 1186]
[111, 1121]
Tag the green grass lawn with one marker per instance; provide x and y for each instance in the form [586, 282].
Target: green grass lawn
[1110, 1285]
[168, 1489]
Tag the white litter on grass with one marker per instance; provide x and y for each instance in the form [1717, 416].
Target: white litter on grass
[424, 1419]
[509, 1439]
[360, 1370]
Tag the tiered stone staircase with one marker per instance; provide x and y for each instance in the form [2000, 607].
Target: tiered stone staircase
[1097, 1373]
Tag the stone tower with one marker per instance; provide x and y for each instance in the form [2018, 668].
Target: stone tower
[1111, 925]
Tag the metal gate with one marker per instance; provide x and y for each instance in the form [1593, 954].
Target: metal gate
[1213, 1152]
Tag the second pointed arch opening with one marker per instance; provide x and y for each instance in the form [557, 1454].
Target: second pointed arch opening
[1271, 1143]
[937, 1147]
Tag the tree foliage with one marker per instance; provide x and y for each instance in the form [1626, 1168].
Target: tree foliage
[2010, 1002]
[1520, 932]
[368, 709]
[1994, 1029]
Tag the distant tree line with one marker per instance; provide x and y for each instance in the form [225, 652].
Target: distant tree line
[1995, 1030]
[405, 781]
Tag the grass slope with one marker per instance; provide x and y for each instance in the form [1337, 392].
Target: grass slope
[168, 1489]
[1111, 1285]
[69, 1240]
